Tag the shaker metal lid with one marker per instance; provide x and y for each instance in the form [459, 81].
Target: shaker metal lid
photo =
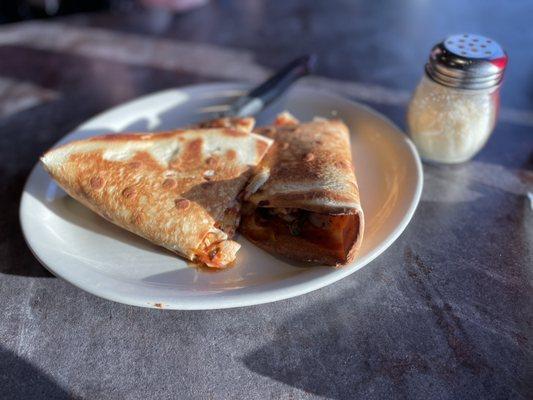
[467, 61]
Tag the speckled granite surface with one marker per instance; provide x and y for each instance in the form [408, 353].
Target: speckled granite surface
[445, 313]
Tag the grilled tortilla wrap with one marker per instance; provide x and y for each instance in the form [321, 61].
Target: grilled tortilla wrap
[303, 202]
[177, 189]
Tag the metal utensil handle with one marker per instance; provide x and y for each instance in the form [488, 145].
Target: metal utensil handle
[261, 96]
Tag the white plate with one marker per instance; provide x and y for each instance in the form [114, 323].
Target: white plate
[79, 246]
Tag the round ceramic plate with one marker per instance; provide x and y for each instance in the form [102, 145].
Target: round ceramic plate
[84, 249]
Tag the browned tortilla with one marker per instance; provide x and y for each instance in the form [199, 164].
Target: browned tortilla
[308, 171]
[177, 189]
[243, 124]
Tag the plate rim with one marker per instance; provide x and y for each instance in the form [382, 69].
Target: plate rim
[243, 299]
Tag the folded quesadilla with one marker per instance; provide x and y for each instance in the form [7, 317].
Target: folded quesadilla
[177, 189]
[303, 201]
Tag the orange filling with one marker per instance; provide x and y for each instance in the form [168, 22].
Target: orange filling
[219, 254]
[333, 233]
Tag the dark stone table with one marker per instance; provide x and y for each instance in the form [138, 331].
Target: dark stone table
[444, 313]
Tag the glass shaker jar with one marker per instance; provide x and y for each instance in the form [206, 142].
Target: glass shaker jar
[454, 108]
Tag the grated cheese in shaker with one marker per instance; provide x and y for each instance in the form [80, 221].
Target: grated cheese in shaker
[454, 108]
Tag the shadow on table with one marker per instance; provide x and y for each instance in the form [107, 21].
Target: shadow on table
[318, 352]
[19, 380]
[17, 257]
[401, 336]
[340, 350]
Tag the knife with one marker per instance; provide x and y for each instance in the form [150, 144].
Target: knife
[263, 95]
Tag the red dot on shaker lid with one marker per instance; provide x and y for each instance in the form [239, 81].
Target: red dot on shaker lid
[500, 62]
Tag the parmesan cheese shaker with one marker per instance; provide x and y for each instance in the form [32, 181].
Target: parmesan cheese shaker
[454, 108]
